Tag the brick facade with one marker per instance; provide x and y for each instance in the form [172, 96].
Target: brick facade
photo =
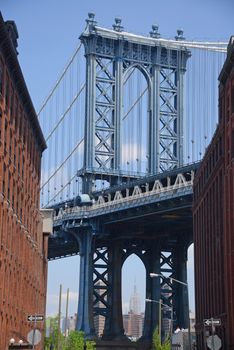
[227, 102]
[214, 220]
[23, 252]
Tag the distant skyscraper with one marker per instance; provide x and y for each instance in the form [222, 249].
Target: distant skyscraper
[99, 320]
[135, 302]
[166, 311]
[71, 323]
[133, 321]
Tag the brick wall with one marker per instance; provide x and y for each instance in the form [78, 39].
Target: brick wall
[23, 263]
[227, 100]
[213, 215]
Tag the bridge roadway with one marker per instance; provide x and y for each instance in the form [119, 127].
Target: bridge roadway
[130, 210]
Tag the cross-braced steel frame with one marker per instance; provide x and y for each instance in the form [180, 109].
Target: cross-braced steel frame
[110, 54]
[101, 262]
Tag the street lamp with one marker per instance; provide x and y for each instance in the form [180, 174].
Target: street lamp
[159, 314]
[152, 274]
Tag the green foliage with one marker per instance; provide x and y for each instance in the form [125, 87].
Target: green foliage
[55, 336]
[90, 345]
[74, 341]
[166, 345]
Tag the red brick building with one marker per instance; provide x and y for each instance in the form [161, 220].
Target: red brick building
[214, 220]
[23, 252]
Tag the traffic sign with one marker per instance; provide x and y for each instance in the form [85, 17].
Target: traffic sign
[212, 322]
[35, 318]
[214, 342]
[34, 337]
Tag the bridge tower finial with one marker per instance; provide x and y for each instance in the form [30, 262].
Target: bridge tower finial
[117, 26]
[154, 33]
[91, 19]
[180, 35]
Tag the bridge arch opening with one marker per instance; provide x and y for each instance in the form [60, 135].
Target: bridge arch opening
[135, 121]
[133, 296]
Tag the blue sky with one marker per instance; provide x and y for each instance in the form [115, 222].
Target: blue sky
[48, 35]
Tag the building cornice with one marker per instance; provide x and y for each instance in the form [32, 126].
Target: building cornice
[229, 63]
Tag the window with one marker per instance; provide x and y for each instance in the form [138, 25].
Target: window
[220, 147]
[24, 129]
[7, 93]
[12, 105]
[9, 185]
[10, 144]
[23, 168]
[21, 121]
[0, 124]
[1, 78]
[14, 151]
[222, 106]
[16, 113]
[3, 186]
[4, 179]
[232, 145]
[227, 105]
[5, 135]
[13, 195]
[232, 98]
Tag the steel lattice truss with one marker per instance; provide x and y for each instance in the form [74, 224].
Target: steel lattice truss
[167, 291]
[168, 119]
[104, 123]
[110, 57]
[100, 282]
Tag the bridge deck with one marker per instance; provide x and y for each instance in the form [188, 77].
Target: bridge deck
[146, 207]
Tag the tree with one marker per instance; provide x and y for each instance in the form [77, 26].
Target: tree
[55, 336]
[90, 345]
[166, 345]
[75, 341]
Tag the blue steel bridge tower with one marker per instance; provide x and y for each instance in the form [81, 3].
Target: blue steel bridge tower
[110, 55]
[104, 240]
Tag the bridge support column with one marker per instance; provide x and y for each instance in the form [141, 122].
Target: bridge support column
[153, 293]
[154, 161]
[182, 301]
[85, 303]
[114, 322]
[178, 126]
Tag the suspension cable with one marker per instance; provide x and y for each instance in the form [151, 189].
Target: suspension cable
[62, 164]
[59, 80]
[73, 101]
[57, 193]
[65, 113]
[134, 104]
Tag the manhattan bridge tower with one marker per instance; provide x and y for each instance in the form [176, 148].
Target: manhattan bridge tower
[111, 57]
